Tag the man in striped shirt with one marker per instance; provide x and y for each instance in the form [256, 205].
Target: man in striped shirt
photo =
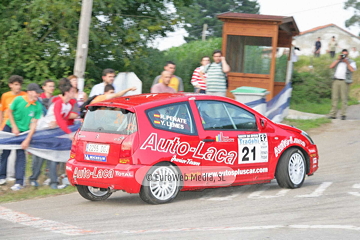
[216, 75]
[199, 82]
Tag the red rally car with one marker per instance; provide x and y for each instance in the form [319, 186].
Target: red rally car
[159, 144]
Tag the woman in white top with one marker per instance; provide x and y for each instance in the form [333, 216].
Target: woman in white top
[80, 96]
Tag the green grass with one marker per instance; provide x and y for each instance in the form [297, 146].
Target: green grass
[306, 124]
[29, 192]
[318, 108]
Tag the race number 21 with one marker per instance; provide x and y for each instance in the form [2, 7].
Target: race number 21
[253, 148]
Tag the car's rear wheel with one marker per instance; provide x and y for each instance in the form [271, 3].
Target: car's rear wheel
[93, 193]
[161, 184]
[291, 169]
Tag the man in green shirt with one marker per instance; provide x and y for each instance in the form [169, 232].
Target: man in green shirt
[24, 113]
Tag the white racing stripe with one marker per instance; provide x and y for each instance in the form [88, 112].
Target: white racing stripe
[42, 224]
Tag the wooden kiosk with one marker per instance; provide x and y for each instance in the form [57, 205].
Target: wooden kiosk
[258, 49]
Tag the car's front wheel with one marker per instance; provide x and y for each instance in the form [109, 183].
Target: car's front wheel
[94, 194]
[291, 169]
[160, 185]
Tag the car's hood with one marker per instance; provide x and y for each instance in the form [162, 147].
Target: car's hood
[288, 127]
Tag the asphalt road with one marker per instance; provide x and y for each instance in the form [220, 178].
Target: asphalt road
[327, 206]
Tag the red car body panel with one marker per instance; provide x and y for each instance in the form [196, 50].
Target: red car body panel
[250, 156]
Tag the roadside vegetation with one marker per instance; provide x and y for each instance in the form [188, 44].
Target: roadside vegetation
[311, 84]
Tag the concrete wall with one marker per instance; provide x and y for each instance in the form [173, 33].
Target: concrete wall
[306, 42]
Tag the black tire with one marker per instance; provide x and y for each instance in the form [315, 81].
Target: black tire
[93, 194]
[160, 179]
[291, 169]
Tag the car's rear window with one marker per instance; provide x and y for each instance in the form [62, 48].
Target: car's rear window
[109, 120]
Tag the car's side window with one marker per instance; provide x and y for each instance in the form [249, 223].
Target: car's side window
[173, 117]
[222, 115]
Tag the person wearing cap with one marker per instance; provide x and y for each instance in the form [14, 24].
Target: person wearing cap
[24, 113]
[344, 67]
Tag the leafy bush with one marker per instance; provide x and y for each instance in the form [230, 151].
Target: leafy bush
[310, 87]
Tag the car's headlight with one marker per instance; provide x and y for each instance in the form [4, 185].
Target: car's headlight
[308, 137]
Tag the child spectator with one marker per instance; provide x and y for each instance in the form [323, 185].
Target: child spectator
[46, 98]
[15, 83]
[23, 113]
[58, 116]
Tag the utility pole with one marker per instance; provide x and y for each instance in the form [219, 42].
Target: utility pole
[83, 42]
[204, 31]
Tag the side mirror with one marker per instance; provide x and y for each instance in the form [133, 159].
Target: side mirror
[263, 123]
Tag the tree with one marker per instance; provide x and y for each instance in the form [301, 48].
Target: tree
[205, 11]
[38, 38]
[355, 19]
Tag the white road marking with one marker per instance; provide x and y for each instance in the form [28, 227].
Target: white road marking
[249, 228]
[42, 224]
[230, 197]
[225, 198]
[318, 192]
[355, 193]
[258, 195]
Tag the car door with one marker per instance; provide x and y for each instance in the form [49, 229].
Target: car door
[232, 140]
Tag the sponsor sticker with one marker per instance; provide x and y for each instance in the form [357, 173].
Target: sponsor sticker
[253, 148]
[95, 158]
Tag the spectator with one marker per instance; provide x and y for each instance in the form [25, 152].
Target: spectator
[109, 93]
[340, 86]
[108, 77]
[46, 99]
[24, 113]
[164, 85]
[317, 47]
[57, 116]
[199, 82]
[80, 96]
[353, 53]
[15, 83]
[75, 111]
[216, 81]
[332, 47]
[175, 82]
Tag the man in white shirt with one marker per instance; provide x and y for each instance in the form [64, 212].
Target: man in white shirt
[108, 77]
[344, 67]
[353, 53]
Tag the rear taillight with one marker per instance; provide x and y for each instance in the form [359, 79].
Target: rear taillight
[127, 146]
[73, 146]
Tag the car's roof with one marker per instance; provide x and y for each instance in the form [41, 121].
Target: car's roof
[149, 98]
